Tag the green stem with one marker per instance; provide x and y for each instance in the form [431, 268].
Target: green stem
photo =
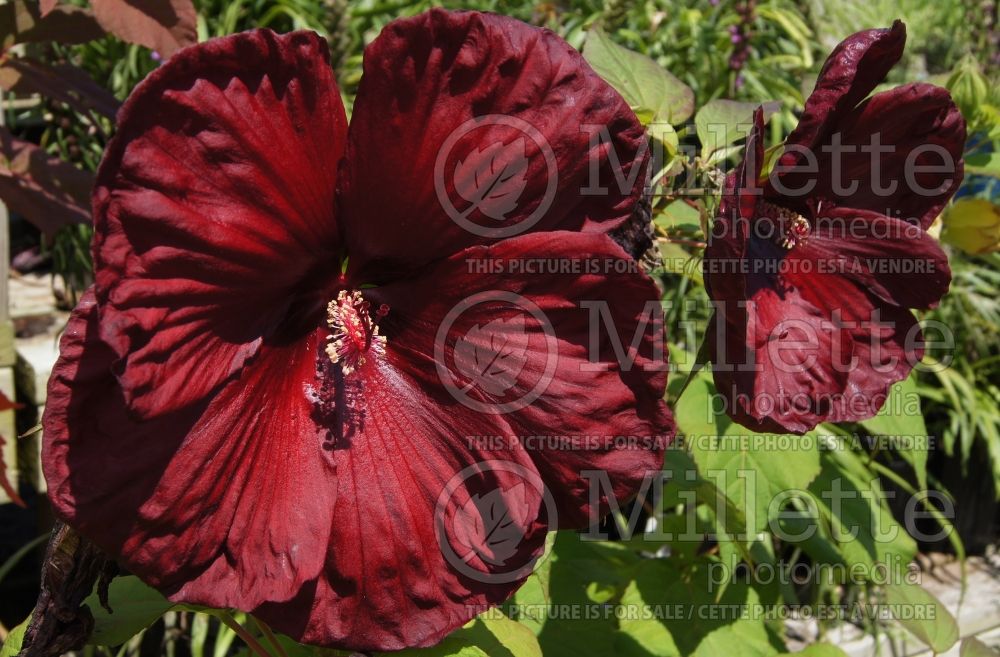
[271, 638]
[251, 641]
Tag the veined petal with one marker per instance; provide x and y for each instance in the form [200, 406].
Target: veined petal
[472, 127]
[227, 504]
[451, 406]
[890, 258]
[435, 522]
[213, 205]
[560, 334]
[923, 134]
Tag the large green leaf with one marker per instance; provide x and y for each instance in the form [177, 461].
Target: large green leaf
[652, 91]
[922, 615]
[750, 469]
[579, 581]
[672, 612]
[134, 607]
[902, 421]
[861, 527]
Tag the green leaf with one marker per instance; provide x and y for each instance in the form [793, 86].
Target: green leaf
[577, 569]
[678, 214]
[490, 634]
[652, 91]
[862, 529]
[751, 469]
[533, 596]
[902, 421]
[973, 647]
[922, 615]
[721, 123]
[134, 607]
[12, 644]
[673, 611]
[983, 164]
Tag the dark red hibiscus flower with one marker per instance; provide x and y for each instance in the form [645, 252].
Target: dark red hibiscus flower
[814, 270]
[257, 406]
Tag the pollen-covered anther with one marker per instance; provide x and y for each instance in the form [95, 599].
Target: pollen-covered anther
[354, 331]
[797, 233]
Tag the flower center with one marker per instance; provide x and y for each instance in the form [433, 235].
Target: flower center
[353, 330]
[791, 228]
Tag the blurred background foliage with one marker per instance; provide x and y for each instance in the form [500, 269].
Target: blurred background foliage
[751, 51]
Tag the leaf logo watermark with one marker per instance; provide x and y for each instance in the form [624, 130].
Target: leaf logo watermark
[492, 525]
[489, 181]
[491, 356]
[482, 363]
[491, 520]
[493, 179]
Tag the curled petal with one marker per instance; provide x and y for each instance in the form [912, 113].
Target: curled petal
[906, 166]
[214, 202]
[852, 71]
[472, 127]
[727, 241]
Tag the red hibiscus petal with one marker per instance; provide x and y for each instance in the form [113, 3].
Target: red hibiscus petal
[852, 71]
[560, 334]
[727, 242]
[227, 504]
[890, 258]
[815, 346]
[925, 167]
[887, 345]
[917, 169]
[785, 362]
[433, 523]
[488, 121]
[218, 190]
[433, 404]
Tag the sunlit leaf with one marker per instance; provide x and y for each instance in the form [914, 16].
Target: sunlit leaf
[922, 615]
[652, 91]
[488, 635]
[721, 123]
[902, 421]
[12, 644]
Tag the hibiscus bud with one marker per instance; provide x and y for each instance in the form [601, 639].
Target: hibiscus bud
[973, 225]
[968, 87]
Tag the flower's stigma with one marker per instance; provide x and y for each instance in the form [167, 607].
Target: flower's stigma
[354, 330]
[791, 227]
[797, 233]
